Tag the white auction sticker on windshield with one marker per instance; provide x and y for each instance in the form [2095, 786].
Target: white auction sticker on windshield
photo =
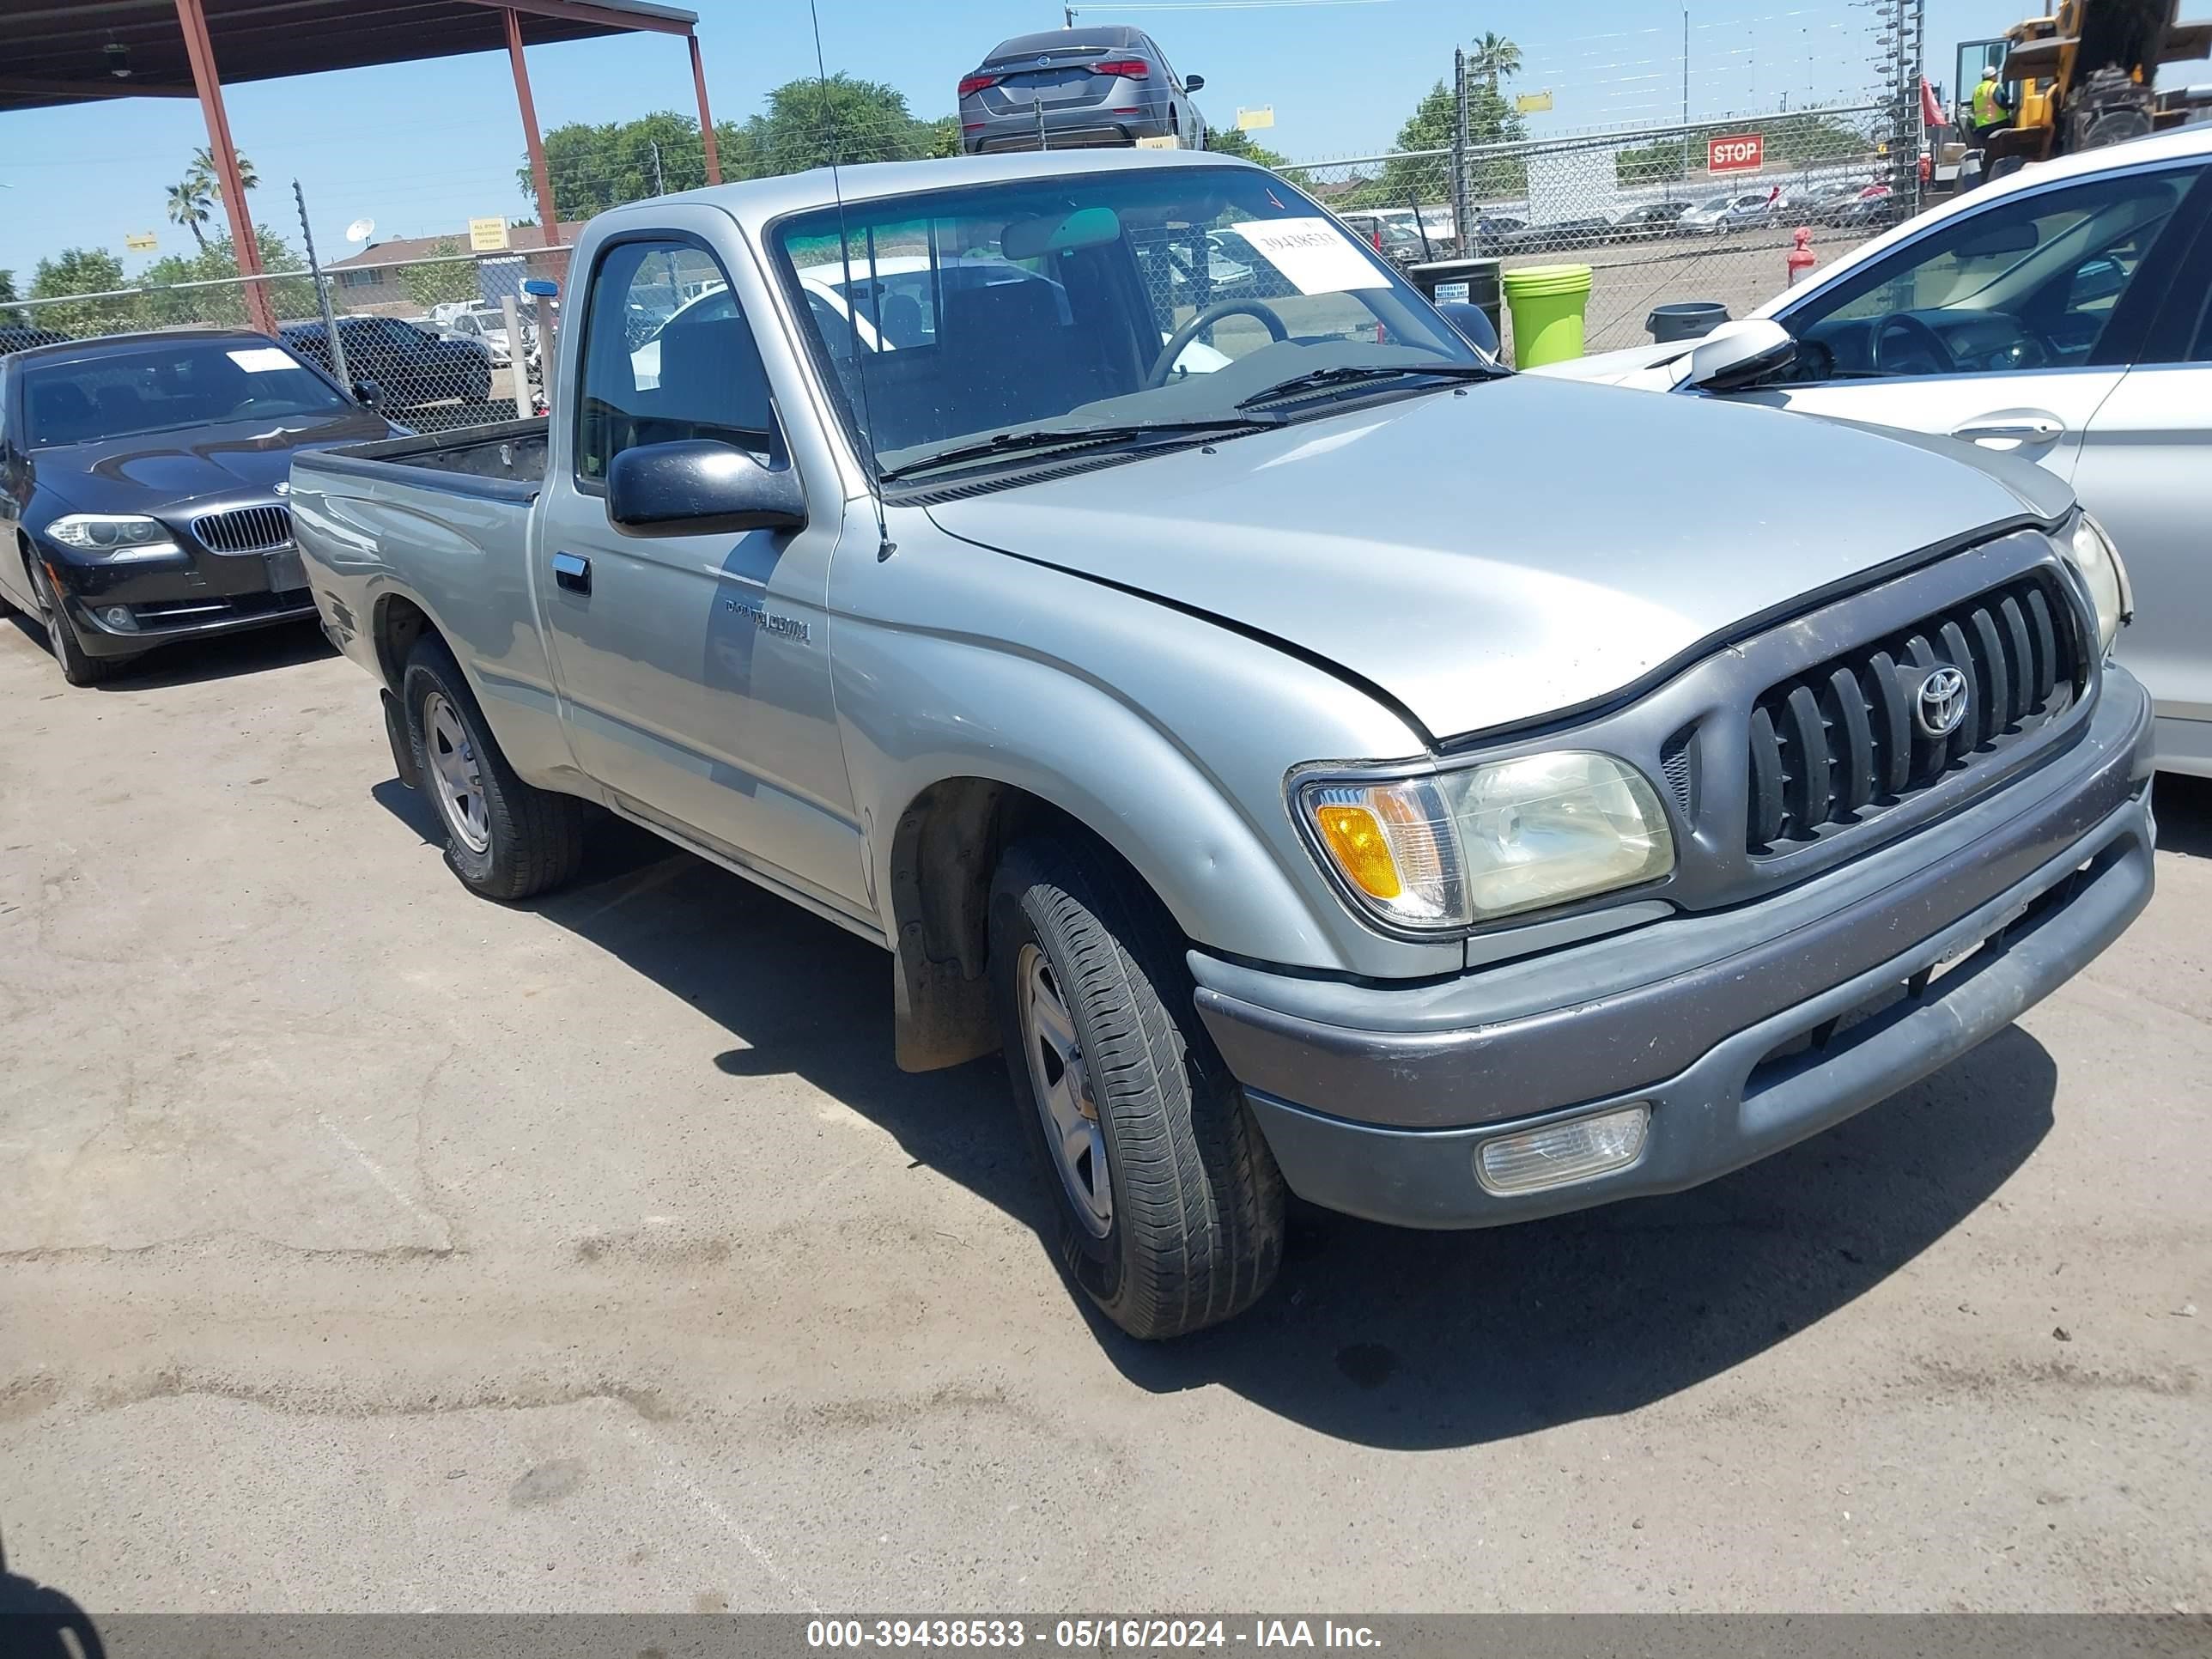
[262, 360]
[1313, 253]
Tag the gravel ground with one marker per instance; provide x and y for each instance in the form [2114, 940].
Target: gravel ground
[366, 1246]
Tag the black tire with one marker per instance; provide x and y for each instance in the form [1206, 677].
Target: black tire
[79, 666]
[1196, 1229]
[535, 837]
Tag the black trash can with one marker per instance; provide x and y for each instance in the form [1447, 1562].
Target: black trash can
[1688, 319]
[1445, 279]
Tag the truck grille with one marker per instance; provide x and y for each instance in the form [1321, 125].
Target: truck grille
[1846, 738]
[246, 529]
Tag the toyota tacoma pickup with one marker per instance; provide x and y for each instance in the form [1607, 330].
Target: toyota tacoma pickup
[907, 542]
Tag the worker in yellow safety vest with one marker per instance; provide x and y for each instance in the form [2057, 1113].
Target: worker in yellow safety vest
[1991, 114]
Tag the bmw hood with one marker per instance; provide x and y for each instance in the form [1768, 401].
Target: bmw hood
[1524, 550]
[154, 471]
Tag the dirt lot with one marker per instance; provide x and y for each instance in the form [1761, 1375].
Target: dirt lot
[369, 1246]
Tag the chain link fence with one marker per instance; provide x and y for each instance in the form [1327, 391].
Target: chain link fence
[433, 336]
[1644, 207]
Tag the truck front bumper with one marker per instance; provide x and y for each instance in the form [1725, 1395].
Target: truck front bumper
[1742, 1032]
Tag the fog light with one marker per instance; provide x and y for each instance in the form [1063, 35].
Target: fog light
[118, 618]
[1559, 1153]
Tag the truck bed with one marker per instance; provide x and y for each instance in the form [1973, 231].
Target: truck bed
[506, 461]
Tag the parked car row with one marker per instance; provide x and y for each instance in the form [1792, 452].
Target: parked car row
[980, 605]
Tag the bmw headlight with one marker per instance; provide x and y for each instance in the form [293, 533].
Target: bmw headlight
[1454, 849]
[2090, 551]
[112, 535]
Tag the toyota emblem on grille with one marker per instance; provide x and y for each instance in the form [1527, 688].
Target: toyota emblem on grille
[1942, 702]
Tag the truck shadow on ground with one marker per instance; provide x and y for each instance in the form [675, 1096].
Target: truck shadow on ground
[38, 1622]
[1373, 1334]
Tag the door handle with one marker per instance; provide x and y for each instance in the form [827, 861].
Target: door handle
[572, 572]
[2035, 429]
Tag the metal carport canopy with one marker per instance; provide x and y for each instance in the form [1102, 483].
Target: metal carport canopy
[60, 53]
[87, 50]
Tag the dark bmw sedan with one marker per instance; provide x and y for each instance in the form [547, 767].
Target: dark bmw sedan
[142, 479]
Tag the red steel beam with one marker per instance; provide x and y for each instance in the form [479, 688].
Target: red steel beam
[244, 245]
[706, 115]
[549, 225]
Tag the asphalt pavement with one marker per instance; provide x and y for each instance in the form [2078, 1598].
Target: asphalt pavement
[367, 1246]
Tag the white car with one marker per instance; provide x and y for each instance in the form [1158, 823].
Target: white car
[1739, 210]
[2061, 315]
[487, 324]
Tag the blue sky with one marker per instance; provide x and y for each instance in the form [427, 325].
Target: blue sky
[421, 148]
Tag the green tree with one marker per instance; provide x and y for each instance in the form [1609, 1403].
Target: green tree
[594, 167]
[811, 122]
[190, 203]
[9, 316]
[449, 279]
[165, 304]
[83, 270]
[1234, 142]
[1425, 180]
[203, 170]
[1495, 58]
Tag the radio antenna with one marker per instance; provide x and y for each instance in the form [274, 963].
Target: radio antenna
[884, 545]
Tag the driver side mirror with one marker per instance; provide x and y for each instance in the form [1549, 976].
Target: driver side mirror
[1738, 355]
[368, 393]
[697, 486]
[1194, 83]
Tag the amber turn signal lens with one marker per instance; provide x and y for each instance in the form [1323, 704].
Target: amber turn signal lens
[1361, 849]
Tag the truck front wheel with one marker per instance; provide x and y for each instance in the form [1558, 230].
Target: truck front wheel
[504, 838]
[1168, 1205]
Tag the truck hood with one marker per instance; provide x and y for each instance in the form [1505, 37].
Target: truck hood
[1523, 550]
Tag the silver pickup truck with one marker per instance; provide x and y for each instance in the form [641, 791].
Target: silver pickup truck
[939, 547]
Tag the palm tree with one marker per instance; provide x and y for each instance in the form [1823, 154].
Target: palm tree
[188, 206]
[1496, 59]
[203, 170]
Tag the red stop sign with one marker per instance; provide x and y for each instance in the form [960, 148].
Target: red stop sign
[1741, 152]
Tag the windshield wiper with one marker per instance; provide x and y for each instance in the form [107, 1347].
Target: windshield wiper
[1349, 374]
[1008, 443]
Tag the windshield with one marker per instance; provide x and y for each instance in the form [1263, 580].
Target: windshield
[1130, 299]
[159, 388]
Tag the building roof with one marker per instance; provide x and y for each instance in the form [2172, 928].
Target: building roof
[396, 248]
[61, 52]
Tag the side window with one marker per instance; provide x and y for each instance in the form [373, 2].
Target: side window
[2028, 283]
[667, 355]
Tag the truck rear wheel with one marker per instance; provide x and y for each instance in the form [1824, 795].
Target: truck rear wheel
[504, 838]
[1168, 1205]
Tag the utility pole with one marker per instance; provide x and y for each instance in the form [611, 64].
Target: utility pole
[657, 188]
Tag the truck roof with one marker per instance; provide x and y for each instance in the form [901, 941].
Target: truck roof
[753, 202]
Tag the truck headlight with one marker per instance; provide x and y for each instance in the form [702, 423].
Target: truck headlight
[2090, 551]
[1455, 848]
[112, 535]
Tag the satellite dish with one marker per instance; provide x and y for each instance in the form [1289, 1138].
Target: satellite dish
[361, 230]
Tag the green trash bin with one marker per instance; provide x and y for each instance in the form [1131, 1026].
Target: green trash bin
[1547, 302]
